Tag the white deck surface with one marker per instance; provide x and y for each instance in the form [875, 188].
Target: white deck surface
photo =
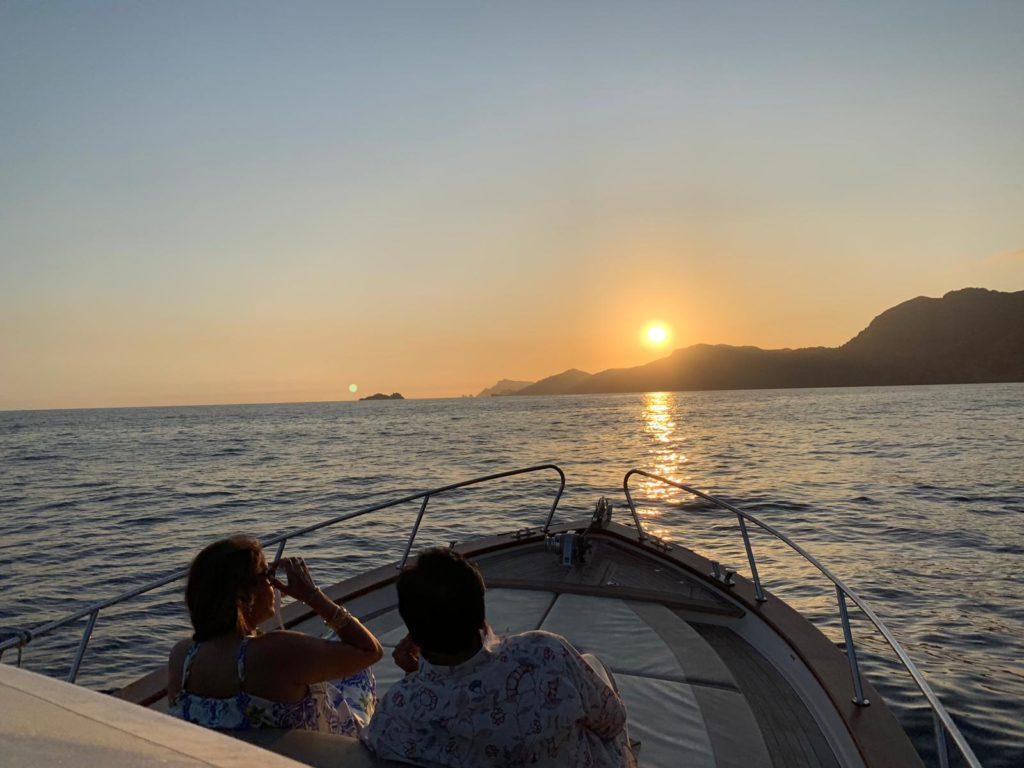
[46, 722]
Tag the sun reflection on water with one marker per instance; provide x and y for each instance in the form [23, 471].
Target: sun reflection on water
[664, 459]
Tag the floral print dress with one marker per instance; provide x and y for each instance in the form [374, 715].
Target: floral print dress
[343, 706]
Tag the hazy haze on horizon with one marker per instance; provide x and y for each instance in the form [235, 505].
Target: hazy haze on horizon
[218, 202]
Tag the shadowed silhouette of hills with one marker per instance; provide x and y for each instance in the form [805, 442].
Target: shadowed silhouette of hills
[968, 336]
[504, 387]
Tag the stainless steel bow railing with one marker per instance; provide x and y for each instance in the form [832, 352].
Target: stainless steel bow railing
[19, 638]
[942, 722]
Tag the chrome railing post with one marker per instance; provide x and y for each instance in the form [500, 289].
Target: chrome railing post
[940, 740]
[851, 652]
[558, 496]
[632, 507]
[758, 591]
[415, 528]
[77, 663]
[280, 551]
[16, 639]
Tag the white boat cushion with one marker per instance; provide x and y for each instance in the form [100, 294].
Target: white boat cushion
[666, 718]
[735, 735]
[681, 698]
[700, 663]
[613, 631]
[510, 611]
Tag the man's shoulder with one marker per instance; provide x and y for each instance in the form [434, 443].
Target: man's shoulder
[536, 640]
[535, 636]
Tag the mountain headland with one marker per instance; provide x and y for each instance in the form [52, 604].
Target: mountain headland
[972, 335]
[504, 387]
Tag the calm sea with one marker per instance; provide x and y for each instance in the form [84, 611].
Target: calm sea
[913, 495]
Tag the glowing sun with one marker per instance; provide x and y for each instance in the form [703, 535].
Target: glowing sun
[655, 334]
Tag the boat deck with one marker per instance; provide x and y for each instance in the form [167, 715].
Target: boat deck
[696, 692]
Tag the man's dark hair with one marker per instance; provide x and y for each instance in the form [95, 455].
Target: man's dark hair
[441, 601]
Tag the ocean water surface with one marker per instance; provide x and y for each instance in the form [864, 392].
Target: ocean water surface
[913, 495]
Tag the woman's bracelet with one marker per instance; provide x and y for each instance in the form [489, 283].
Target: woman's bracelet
[339, 619]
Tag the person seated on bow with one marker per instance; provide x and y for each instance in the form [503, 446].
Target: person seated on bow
[472, 698]
[230, 676]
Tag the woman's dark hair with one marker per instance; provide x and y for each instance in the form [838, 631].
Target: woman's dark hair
[221, 586]
[441, 601]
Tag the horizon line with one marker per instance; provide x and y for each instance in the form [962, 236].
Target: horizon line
[500, 397]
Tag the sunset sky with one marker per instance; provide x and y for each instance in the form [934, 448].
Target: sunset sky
[226, 202]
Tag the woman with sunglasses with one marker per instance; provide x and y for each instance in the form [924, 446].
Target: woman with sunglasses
[229, 676]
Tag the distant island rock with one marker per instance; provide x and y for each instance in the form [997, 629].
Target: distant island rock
[968, 336]
[504, 387]
[382, 396]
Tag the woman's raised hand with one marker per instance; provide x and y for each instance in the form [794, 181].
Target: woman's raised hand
[299, 583]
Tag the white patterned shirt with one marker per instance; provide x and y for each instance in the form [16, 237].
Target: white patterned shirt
[527, 699]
